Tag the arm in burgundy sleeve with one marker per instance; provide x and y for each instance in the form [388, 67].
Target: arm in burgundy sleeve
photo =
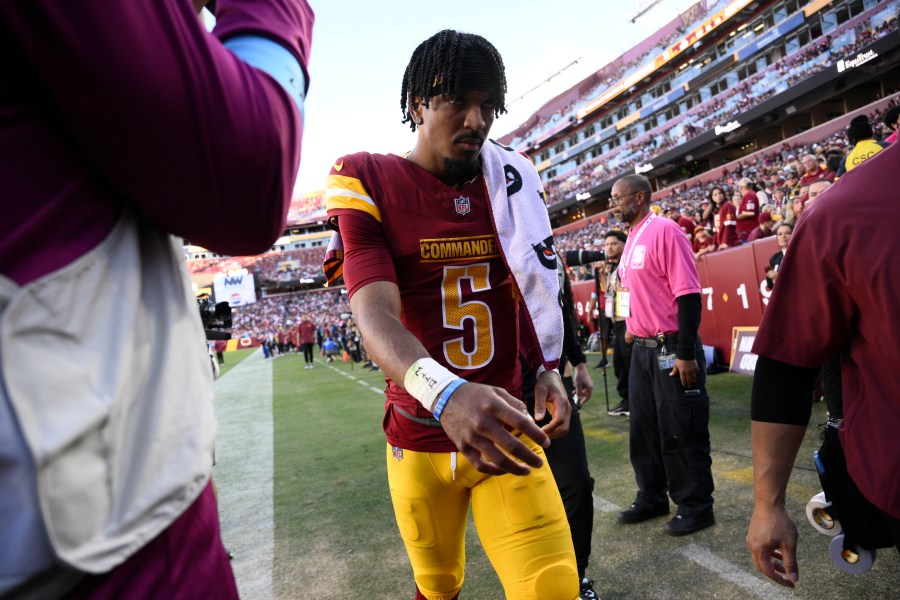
[205, 146]
[366, 256]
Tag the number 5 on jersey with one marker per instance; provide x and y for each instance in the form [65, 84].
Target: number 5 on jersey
[456, 312]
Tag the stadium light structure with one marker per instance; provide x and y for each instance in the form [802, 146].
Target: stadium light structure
[644, 10]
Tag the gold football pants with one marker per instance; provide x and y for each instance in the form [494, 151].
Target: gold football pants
[520, 520]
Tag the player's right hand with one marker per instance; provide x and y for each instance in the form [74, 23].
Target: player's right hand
[478, 419]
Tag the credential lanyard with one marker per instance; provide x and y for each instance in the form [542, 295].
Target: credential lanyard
[631, 246]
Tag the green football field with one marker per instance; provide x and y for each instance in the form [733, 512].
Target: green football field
[305, 509]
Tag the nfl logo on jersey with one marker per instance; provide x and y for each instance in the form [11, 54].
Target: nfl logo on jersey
[463, 206]
[397, 452]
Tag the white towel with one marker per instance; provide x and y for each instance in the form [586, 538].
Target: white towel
[526, 240]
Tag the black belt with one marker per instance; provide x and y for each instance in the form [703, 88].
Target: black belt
[668, 340]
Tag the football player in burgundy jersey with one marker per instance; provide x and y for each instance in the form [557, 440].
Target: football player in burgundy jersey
[435, 302]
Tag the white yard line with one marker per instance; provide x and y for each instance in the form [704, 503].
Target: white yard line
[735, 574]
[604, 505]
[244, 473]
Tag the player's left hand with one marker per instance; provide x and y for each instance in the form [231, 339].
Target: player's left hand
[689, 372]
[550, 395]
[584, 385]
[772, 539]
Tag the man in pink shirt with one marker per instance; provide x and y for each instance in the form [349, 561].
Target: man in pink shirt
[669, 424]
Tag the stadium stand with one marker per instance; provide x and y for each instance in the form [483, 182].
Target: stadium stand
[729, 89]
[730, 59]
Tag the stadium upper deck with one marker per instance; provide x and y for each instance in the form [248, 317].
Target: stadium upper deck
[721, 81]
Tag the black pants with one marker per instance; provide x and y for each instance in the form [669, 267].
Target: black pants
[669, 431]
[307, 353]
[567, 458]
[621, 359]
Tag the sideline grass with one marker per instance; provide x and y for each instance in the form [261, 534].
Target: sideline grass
[233, 358]
[335, 535]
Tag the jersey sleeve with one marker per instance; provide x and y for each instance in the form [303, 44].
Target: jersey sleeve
[205, 146]
[680, 267]
[807, 303]
[351, 209]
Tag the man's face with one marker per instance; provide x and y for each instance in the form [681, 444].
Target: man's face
[625, 202]
[452, 132]
[817, 188]
[614, 247]
[673, 214]
[791, 181]
[810, 164]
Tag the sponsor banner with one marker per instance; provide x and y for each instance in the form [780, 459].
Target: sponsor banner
[235, 288]
[742, 359]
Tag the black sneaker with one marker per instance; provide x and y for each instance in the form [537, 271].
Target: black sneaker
[636, 514]
[686, 524]
[619, 410]
[587, 590]
[603, 362]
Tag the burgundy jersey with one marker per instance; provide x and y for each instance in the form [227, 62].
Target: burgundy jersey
[400, 223]
[749, 204]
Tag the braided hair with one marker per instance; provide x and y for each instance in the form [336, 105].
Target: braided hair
[434, 69]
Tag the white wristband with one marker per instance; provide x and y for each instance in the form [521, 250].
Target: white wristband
[426, 379]
[541, 369]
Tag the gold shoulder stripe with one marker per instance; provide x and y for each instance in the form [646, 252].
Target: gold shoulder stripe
[348, 192]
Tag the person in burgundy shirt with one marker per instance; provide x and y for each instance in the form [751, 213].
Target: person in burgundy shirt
[127, 128]
[748, 210]
[306, 330]
[848, 280]
[703, 242]
[669, 406]
[812, 170]
[725, 219]
[765, 228]
[685, 223]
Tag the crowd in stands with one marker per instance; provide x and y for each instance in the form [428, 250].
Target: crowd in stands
[308, 208]
[720, 108]
[775, 175]
[274, 322]
[607, 77]
[272, 267]
[290, 265]
[328, 309]
[779, 177]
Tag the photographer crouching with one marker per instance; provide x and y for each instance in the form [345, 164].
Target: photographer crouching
[115, 142]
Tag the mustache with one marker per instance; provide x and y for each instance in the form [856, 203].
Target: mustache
[469, 136]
